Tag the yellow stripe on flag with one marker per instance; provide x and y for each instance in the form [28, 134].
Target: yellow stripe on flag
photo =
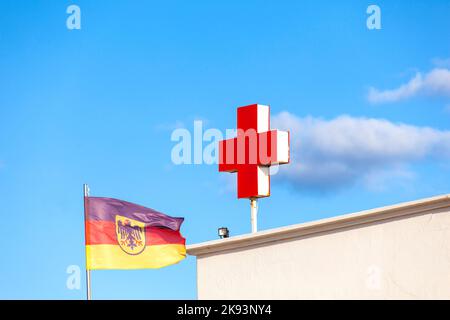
[109, 256]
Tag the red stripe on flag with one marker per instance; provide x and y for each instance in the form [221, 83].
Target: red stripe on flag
[104, 232]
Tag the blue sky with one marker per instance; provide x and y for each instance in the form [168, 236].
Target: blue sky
[369, 112]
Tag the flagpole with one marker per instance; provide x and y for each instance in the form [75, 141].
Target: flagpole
[254, 214]
[88, 272]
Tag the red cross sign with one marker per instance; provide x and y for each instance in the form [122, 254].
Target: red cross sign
[253, 151]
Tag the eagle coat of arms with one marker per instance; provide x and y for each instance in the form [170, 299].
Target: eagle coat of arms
[130, 235]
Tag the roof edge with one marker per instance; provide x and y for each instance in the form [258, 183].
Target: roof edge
[314, 227]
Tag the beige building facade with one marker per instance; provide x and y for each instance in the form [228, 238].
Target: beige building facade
[395, 252]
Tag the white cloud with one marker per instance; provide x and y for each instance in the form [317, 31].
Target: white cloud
[393, 177]
[435, 82]
[330, 154]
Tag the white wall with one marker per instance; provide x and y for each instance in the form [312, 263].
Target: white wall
[401, 258]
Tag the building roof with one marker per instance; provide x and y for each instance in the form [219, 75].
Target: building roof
[422, 206]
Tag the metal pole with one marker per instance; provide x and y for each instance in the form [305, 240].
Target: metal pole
[88, 272]
[254, 214]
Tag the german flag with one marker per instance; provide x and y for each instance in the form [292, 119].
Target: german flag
[124, 235]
